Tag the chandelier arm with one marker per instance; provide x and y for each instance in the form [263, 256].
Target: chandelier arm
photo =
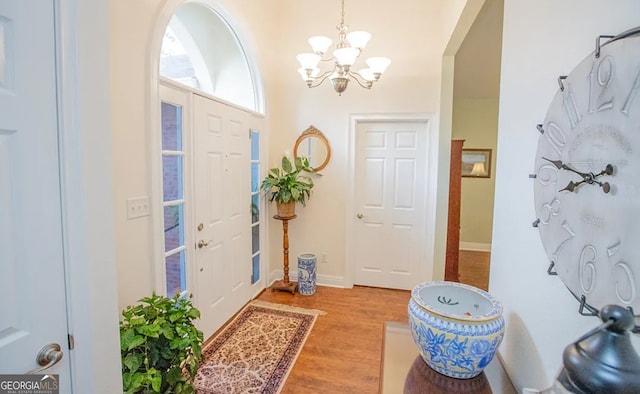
[360, 79]
[329, 59]
[320, 79]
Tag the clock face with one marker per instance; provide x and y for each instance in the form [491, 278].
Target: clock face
[587, 186]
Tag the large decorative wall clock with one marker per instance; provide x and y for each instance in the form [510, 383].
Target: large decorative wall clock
[587, 177]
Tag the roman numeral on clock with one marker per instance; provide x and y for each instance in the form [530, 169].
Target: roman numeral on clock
[569, 103]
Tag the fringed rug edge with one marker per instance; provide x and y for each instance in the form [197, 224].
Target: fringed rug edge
[304, 341]
[289, 308]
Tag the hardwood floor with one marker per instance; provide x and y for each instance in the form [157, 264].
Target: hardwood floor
[343, 351]
[473, 268]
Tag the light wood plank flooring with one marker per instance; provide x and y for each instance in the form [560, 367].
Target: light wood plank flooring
[343, 351]
[473, 268]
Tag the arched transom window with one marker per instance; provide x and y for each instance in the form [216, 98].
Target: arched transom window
[201, 50]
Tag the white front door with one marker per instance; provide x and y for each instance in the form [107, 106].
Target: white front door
[222, 211]
[388, 241]
[32, 279]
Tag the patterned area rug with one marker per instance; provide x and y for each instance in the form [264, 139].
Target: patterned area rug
[256, 351]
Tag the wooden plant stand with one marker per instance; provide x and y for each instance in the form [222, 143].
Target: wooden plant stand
[285, 284]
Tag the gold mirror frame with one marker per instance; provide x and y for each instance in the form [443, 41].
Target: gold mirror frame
[312, 132]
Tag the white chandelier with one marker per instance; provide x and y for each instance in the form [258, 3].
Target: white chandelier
[348, 48]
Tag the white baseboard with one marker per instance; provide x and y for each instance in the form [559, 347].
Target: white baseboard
[475, 246]
[321, 280]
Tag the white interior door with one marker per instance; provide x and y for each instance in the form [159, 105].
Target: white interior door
[32, 289]
[222, 205]
[390, 203]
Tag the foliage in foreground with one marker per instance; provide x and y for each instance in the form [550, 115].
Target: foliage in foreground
[160, 345]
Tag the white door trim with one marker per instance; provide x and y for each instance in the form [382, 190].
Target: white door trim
[430, 203]
[85, 169]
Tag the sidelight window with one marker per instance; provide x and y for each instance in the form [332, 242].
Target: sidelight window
[255, 205]
[173, 198]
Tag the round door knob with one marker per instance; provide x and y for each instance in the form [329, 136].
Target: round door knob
[359, 216]
[201, 244]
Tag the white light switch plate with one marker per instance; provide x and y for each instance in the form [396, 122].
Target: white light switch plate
[137, 207]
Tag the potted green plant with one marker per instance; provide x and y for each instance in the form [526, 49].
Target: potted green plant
[160, 346]
[288, 185]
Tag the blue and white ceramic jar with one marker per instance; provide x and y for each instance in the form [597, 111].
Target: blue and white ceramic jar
[307, 274]
[457, 327]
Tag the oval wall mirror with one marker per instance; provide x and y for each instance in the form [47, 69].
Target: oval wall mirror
[313, 145]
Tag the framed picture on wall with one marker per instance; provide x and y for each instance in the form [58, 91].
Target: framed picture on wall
[476, 163]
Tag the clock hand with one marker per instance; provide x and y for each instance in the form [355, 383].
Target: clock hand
[590, 178]
[608, 170]
[556, 163]
[560, 165]
[571, 186]
[582, 174]
[606, 187]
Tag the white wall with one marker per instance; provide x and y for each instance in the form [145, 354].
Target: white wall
[541, 40]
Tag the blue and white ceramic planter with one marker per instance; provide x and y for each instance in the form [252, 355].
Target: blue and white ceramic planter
[307, 274]
[457, 327]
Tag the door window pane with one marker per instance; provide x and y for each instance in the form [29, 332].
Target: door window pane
[255, 208]
[255, 145]
[172, 177]
[255, 177]
[173, 227]
[176, 281]
[256, 269]
[255, 239]
[171, 127]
